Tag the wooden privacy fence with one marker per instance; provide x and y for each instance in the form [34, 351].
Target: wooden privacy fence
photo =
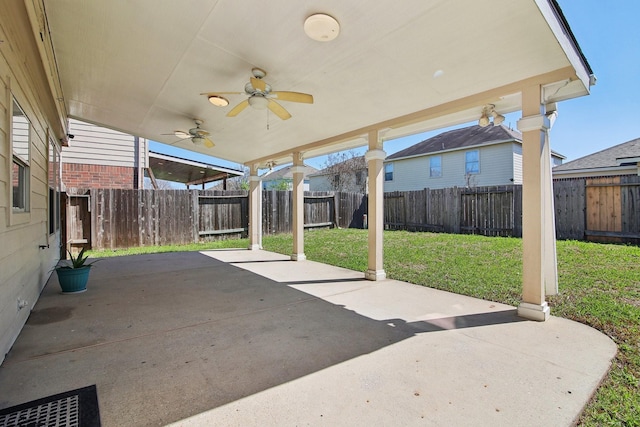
[491, 211]
[599, 209]
[121, 218]
[603, 209]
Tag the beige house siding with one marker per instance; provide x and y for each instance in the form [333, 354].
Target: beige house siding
[24, 266]
[95, 145]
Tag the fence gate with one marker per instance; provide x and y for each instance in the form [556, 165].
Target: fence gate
[78, 223]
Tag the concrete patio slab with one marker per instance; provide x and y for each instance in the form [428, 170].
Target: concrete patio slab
[239, 337]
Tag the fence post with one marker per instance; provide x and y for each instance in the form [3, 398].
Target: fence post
[195, 215]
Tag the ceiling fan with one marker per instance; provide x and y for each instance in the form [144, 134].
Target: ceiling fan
[261, 96]
[197, 135]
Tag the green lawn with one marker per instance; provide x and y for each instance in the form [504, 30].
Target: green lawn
[599, 286]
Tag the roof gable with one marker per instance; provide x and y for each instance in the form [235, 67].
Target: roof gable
[460, 138]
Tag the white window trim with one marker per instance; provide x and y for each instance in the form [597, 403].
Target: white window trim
[465, 162]
[431, 176]
[17, 216]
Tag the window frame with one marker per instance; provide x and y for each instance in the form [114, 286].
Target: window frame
[475, 161]
[19, 214]
[54, 186]
[438, 166]
[388, 172]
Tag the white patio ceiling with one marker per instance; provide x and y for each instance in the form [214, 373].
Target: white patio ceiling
[399, 67]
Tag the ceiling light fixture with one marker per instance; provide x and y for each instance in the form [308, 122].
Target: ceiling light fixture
[489, 110]
[497, 118]
[258, 102]
[484, 119]
[321, 27]
[218, 101]
[198, 140]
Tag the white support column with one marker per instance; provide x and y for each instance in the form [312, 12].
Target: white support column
[255, 210]
[536, 200]
[550, 253]
[374, 158]
[298, 208]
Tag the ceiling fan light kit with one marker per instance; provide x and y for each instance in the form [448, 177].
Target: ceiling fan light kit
[197, 135]
[260, 97]
[258, 102]
[218, 101]
[321, 27]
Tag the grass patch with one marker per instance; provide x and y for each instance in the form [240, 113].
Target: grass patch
[599, 286]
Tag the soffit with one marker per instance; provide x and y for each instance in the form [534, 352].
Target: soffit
[139, 67]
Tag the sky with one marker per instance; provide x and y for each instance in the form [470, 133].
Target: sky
[609, 36]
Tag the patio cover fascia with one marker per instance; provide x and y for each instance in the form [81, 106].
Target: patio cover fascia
[189, 172]
[548, 68]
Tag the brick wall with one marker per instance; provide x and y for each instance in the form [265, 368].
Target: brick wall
[98, 176]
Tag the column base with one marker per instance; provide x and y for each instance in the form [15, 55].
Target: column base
[375, 275]
[255, 247]
[534, 311]
[298, 257]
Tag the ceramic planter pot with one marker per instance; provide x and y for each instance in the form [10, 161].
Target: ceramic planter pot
[73, 280]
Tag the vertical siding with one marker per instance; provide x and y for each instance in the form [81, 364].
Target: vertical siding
[24, 266]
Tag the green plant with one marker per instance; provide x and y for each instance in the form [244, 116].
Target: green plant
[78, 261]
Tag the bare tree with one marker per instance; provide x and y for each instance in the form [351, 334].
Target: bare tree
[162, 184]
[236, 183]
[346, 171]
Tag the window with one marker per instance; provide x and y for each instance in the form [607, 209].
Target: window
[54, 187]
[472, 162]
[435, 166]
[388, 172]
[20, 137]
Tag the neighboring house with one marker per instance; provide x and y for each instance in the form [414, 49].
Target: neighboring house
[468, 157]
[282, 179]
[621, 159]
[98, 157]
[349, 175]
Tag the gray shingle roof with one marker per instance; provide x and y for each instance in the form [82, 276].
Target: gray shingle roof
[460, 138]
[603, 159]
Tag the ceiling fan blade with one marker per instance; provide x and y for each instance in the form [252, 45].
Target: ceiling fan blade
[202, 133]
[238, 108]
[278, 110]
[221, 93]
[258, 84]
[209, 143]
[293, 96]
[180, 140]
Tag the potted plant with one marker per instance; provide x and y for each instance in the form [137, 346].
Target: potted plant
[73, 274]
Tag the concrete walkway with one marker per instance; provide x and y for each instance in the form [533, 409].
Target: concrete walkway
[248, 338]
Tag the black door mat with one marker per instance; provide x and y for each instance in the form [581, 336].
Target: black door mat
[75, 408]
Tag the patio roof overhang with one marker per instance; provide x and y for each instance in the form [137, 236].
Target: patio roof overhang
[189, 172]
[396, 69]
